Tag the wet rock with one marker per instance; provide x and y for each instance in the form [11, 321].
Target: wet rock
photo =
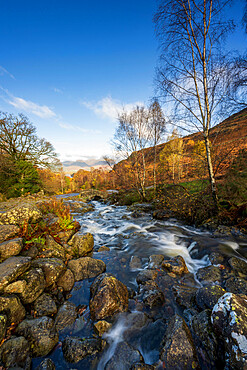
[206, 339]
[15, 353]
[11, 306]
[35, 285]
[10, 248]
[229, 319]
[16, 287]
[184, 295]
[151, 295]
[8, 232]
[207, 297]
[3, 325]
[81, 244]
[209, 274]
[175, 265]
[46, 364]
[159, 214]
[236, 285]
[16, 215]
[140, 366]
[53, 249]
[135, 262]
[11, 268]
[124, 355]
[66, 280]
[75, 349]
[238, 265]
[109, 296]
[103, 249]
[145, 276]
[40, 333]
[155, 261]
[86, 267]
[216, 258]
[66, 316]
[134, 323]
[51, 267]
[179, 351]
[45, 305]
[101, 327]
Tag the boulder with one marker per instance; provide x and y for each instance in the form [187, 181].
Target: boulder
[86, 267]
[40, 333]
[155, 261]
[3, 325]
[66, 280]
[145, 276]
[184, 294]
[46, 364]
[8, 232]
[75, 349]
[10, 248]
[35, 285]
[229, 319]
[101, 327]
[124, 355]
[44, 305]
[66, 316]
[66, 235]
[12, 307]
[179, 351]
[176, 265]
[236, 285]
[16, 215]
[109, 296]
[11, 268]
[16, 287]
[81, 244]
[209, 275]
[53, 249]
[15, 353]
[51, 267]
[151, 295]
[103, 248]
[207, 297]
[238, 265]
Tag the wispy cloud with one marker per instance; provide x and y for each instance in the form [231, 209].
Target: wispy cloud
[42, 111]
[4, 71]
[108, 107]
[56, 90]
[78, 129]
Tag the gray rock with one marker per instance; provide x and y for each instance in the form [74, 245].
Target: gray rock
[35, 285]
[3, 325]
[16, 215]
[53, 249]
[155, 261]
[51, 267]
[236, 285]
[15, 353]
[184, 294]
[207, 297]
[66, 280]
[8, 232]
[209, 274]
[75, 349]
[145, 276]
[44, 305]
[66, 316]
[10, 248]
[40, 333]
[32, 252]
[81, 244]
[123, 358]
[238, 265]
[86, 267]
[46, 364]
[12, 307]
[11, 268]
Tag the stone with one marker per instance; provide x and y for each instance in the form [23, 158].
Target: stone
[238, 265]
[216, 258]
[135, 263]
[75, 349]
[101, 327]
[184, 295]
[66, 280]
[16, 287]
[229, 319]
[3, 325]
[35, 285]
[145, 276]
[86, 267]
[81, 244]
[160, 214]
[124, 355]
[236, 285]
[18, 214]
[10, 248]
[53, 249]
[151, 295]
[46, 364]
[109, 296]
[140, 366]
[31, 252]
[179, 350]
[15, 353]
[207, 297]
[44, 305]
[8, 232]
[209, 275]
[66, 235]
[11, 306]
[11, 268]
[66, 316]
[176, 265]
[40, 333]
[103, 248]
[155, 261]
[51, 267]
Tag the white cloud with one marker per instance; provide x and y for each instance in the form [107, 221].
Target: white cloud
[41, 111]
[79, 129]
[56, 90]
[108, 107]
[4, 71]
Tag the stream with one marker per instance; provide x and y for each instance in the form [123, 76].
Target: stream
[131, 241]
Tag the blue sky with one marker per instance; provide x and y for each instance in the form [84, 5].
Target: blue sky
[71, 65]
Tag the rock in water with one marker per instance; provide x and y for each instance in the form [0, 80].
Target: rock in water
[86, 267]
[66, 316]
[229, 319]
[81, 244]
[109, 296]
[124, 356]
[15, 353]
[75, 349]
[176, 265]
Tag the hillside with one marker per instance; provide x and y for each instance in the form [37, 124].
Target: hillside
[74, 166]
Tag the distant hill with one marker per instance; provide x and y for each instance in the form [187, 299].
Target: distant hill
[74, 166]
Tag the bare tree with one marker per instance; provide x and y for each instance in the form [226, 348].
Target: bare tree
[193, 76]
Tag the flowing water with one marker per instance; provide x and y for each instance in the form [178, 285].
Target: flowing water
[125, 236]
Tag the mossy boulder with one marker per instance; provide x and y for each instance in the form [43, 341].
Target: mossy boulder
[8, 232]
[35, 285]
[86, 267]
[81, 244]
[15, 353]
[51, 267]
[10, 248]
[11, 268]
[20, 213]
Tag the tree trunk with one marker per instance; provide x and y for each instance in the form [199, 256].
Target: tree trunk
[211, 174]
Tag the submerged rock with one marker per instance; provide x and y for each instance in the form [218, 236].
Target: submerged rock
[66, 316]
[15, 353]
[86, 267]
[75, 349]
[155, 261]
[135, 262]
[109, 296]
[124, 355]
[81, 244]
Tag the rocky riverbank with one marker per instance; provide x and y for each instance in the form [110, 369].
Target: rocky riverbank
[187, 321]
